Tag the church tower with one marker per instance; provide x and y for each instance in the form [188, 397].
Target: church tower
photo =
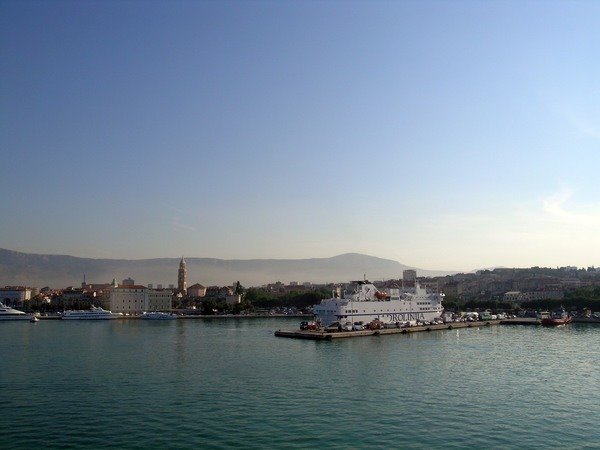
[182, 277]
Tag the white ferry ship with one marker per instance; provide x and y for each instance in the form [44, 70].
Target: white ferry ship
[8, 313]
[363, 302]
[95, 313]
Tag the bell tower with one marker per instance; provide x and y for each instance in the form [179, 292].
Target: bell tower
[182, 277]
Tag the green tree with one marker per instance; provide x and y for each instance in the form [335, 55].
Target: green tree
[208, 307]
[239, 289]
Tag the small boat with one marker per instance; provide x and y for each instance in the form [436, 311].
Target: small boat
[34, 319]
[158, 315]
[558, 317]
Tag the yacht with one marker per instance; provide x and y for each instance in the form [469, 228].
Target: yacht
[363, 302]
[95, 313]
[8, 313]
[158, 315]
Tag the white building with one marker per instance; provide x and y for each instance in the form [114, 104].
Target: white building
[513, 296]
[518, 296]
[159, 300]
[137, 299]
[15, 295]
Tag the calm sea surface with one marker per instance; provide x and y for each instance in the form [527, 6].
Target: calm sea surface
[229, 383]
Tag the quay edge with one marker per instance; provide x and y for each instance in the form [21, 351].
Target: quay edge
[327, 336]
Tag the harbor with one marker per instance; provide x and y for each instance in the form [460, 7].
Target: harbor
[206, 370]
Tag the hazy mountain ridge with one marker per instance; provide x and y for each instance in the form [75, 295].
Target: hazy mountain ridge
[17, 268]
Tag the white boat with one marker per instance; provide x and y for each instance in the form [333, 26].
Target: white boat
[363, 302]
[158, 315]
[95, 313]
[8, 313]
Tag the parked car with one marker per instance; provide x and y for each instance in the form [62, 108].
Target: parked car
[358, 326]
[347, 326]
[308, 325]
[375, 325]
[335, 326]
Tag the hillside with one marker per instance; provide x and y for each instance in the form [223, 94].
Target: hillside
[57, 271]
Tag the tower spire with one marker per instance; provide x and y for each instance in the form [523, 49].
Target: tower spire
[182, 277]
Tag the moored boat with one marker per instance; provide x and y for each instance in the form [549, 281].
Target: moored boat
[94, 313]
[8, 313]
[363, 302]
[558, 317]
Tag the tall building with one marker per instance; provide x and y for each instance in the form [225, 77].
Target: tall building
[128, 282]
[182, 277]
[409, 278]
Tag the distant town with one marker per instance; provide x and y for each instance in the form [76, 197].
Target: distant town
[506, 289]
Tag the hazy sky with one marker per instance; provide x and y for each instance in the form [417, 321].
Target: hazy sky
[444, 134]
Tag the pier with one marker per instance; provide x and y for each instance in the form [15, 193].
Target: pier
[327, 336]
[319, 335]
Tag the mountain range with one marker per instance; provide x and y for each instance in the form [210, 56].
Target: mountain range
[58, 271]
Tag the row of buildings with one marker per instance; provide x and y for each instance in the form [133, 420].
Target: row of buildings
[518, 285]
[127, 297]
[510, 285]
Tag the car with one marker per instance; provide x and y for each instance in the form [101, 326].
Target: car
[308, 325]
[347, 326]
[335, 326]
[358, 326]
[375, 325]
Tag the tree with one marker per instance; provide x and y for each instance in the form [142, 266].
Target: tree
[239, 289]
[208, 307]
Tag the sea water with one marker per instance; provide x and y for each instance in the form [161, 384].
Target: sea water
[229, 383]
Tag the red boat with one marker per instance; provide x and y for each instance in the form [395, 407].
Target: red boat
[558, 317]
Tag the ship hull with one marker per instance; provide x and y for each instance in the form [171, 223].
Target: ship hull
[89, 317]
[16, 317]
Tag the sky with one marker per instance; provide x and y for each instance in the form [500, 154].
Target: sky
[446, 135]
